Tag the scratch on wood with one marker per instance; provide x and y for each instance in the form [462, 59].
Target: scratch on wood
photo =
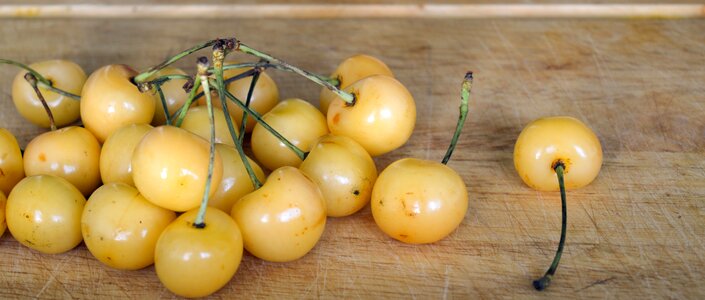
[603, 281]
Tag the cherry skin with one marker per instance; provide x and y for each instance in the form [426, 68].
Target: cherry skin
[174, 94]
[110, 100]
[295, 119]
[351, 70]
[382, 118]
[546, 141]
[116, 154]
[170, 166]
[236, 181]
[418, 201]
[44, 213]
[284, 219]
[72, 153]
[64, 75]
[11, 164]
[264, 97]
[3, 202]
[344, 172]
[121, 228]
[198, 122]
[196, 262]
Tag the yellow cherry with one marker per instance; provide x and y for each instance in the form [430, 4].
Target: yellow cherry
[11, 164]
[174, 94]
[196, 262]
[64, 75]
[284, 219]
[121, 228]
[382, 118]
[110, 100]
[344, 172]
[198, 122]
[170, 166]
[351, 70]
[44, 213]
[72, 153]
[264, 97]
[236, 181]
[546, 141]
[418, 201]
[116, 154]
[296, 120]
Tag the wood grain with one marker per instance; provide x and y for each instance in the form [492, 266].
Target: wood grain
[636, 232]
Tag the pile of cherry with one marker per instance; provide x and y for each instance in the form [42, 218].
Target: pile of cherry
[160, 157]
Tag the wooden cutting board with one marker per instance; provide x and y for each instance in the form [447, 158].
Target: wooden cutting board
[638, 231]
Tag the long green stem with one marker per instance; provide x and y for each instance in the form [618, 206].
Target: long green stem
[543, 282]
[268, 65]
[32, 80]
[464, 95]
[220, 85]
[345, 96]
[142, 77]
[199, 223]
[41, 81]
[300, 153]
[243, 125]
[165, 107]
[163, 79]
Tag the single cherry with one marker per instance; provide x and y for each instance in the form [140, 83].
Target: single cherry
[170, 167]
[349, 71]
[296, 120]
[121, 228]
[382, 117]
[563, 147]
[63, 74]
[344, 172]
[284, 219]
[110, 100]
[72, 153]
[44, 213]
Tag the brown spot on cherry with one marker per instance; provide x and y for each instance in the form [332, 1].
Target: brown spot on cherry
[336, 118]
[42, 157]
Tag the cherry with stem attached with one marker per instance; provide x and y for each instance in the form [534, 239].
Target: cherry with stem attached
[41, 81]
[543, 282]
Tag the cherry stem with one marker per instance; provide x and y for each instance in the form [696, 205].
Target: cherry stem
[32, 80]
[300, 153]
[41, 81]
[187, 104]
[321, 80]
[267, 65]
[142, 77]
[243, 125]
[464, 95]
[164, 79]
[158, 87]
[543, 282]
[220, 85]
[202, 67]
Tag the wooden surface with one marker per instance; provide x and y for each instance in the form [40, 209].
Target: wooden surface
[636, 232]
